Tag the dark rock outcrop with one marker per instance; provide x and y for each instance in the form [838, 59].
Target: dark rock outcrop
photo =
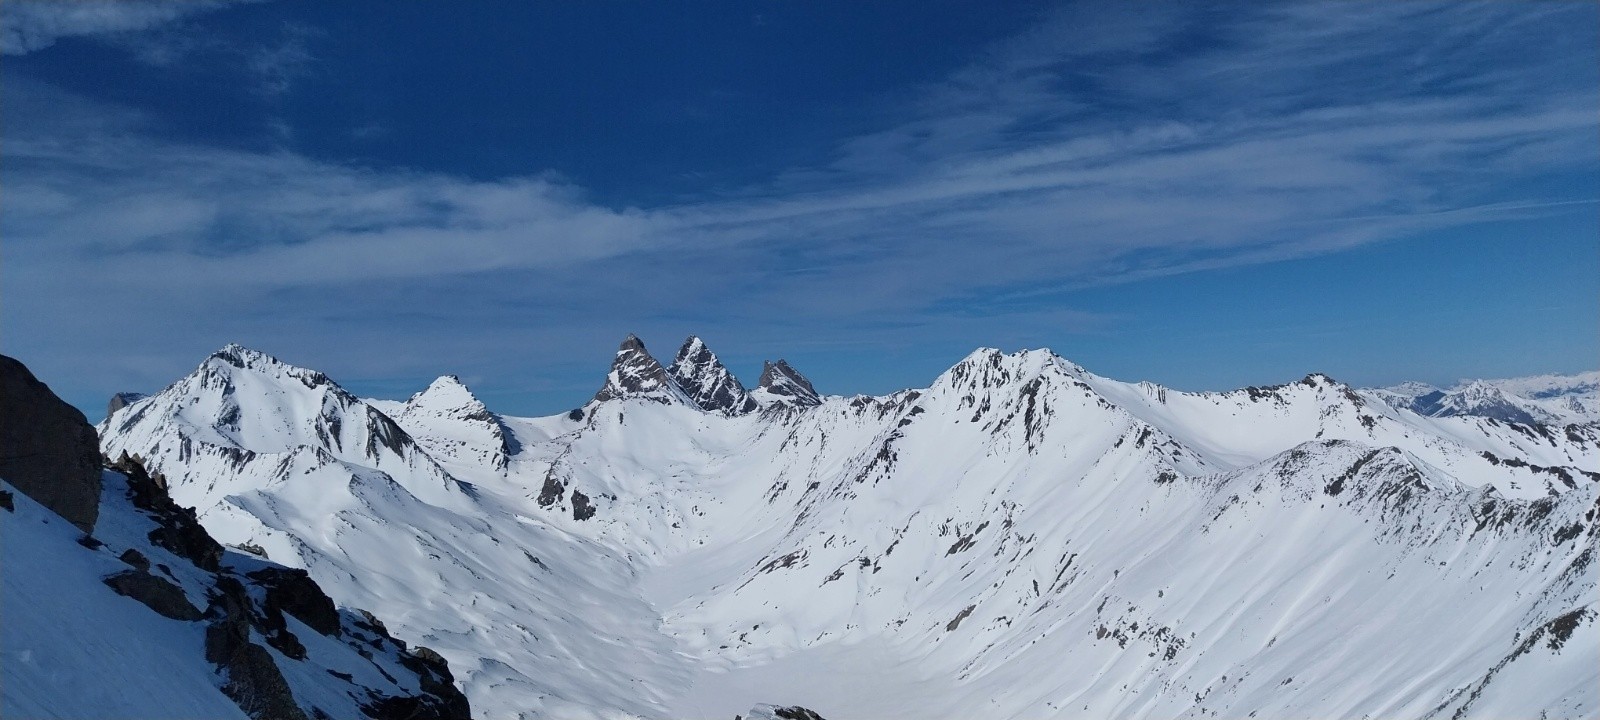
[776, 712]
[48, 450]
[707, 382]
[292, 591]
[135, 558]
[635, 372]
[178, 530]
[788, 385]
[156, 594]
[433, 674]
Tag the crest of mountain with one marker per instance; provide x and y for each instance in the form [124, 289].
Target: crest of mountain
[245, 414]
[782, 385]
[454, 426]
[706, 382]
[1556, 400]
[151, 617]
[1042, 540]
[636, 374]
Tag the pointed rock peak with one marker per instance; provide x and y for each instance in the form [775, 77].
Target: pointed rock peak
[635, 372]
[706, 381]
[781, 383]
[122, 400]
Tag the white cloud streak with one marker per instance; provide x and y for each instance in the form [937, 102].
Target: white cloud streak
[30, 25]
[1297, 130]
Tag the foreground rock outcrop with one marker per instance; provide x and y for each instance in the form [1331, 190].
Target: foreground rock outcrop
[47, 448]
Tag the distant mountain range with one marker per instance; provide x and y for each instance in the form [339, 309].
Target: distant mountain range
[1022, 538]
[1546, 399]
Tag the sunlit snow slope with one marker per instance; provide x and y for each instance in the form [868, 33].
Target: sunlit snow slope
[1020, 539]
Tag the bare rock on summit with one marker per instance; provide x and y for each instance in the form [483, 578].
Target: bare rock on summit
[783, 384]
[707, 382]
[634, 372]
[48, 450]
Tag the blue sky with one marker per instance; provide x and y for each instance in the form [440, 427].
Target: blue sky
[1207, 196]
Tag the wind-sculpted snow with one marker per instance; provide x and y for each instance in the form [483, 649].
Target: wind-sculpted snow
[1020, 539]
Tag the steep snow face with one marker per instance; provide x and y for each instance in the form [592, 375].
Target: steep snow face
[781, 385]
[1020, 539]
[1546, 399]
[73, 647]
[706, 382]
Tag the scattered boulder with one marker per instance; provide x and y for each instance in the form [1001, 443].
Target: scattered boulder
[48, 450]
[156, 593]
[136, 559]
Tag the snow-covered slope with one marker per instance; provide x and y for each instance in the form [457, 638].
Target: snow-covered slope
[148, 617]
[1020, 539]
[1547, 399]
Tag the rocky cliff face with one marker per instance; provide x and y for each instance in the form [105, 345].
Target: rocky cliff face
[783, 385]
[634, 373]
[48, 450]
[707, 382]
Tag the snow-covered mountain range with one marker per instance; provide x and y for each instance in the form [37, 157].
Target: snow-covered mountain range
[1020, 539]
[1548, 399]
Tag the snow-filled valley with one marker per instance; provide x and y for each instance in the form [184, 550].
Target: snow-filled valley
[1020, 539]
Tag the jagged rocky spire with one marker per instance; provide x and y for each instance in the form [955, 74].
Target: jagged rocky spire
[635, 373]
[706, 382]
[782, 384]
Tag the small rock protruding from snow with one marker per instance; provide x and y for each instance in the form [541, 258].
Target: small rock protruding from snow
[707, 382]
[783, 385]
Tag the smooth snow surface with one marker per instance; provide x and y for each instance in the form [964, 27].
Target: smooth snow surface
[69, 645]
[1021, 539]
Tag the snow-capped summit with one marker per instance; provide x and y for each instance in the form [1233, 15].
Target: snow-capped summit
[635, 373]
[782, 385]
[249, 412]
[452, 424]
[707, 382]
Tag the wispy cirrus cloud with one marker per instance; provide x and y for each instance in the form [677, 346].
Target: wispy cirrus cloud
[29, 25]
[1097, 147]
